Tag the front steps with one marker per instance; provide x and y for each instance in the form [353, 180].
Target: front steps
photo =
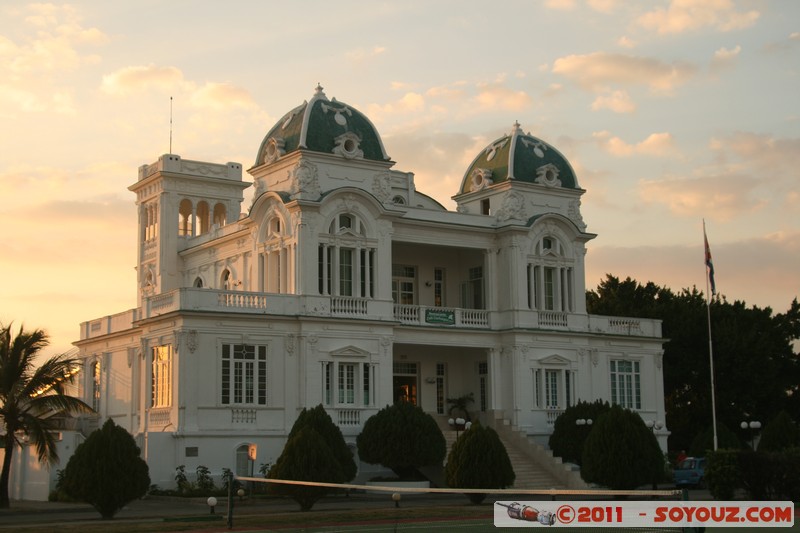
[534, 466]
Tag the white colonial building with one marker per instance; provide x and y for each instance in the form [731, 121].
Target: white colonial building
[341, 284]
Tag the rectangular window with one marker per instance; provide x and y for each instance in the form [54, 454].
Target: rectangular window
[551, 388]
[346, 270]
[365, 384]
[161, 386]
[347, 383]
[244, 374]
[626, 384]
[96, 378]
[537, 388]
[549, 288]
[568, 387]
[327, 377]
[438, 287]
[403, 284]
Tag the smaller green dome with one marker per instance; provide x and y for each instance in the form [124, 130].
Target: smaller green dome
[326, 126]
[521, 157]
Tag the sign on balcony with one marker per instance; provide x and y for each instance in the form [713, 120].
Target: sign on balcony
[440, 316]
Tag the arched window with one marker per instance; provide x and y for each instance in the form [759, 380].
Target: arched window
[243, 460]
[226, 280]
[185, 218]
[276, 257]
[346, 258]
[203, 218]
[219, 215]
[551, 277]
[198, 282]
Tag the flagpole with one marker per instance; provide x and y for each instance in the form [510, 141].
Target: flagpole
[708, 264]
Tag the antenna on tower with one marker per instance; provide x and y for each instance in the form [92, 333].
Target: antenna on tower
[170, 124]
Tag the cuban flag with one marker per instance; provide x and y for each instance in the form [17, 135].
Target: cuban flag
[709, 263]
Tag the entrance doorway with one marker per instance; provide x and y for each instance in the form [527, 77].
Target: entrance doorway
[405, 389]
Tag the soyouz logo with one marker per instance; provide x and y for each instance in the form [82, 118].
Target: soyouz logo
[643, 514]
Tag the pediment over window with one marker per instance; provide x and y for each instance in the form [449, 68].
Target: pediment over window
[350, 351]
[554, 360]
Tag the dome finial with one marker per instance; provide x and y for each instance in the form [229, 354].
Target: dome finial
[318, 89]
[516, 126]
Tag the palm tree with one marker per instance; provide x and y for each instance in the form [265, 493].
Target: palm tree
[28, 395]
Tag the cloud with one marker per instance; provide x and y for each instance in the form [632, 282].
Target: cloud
[688, 15]
[626, 42]
[736, 263]
[139, 78]
[725, 57]
[53, 42]
[616, 101]
[495, 96]
[763, 155]
[222, 96]
[656, 144]
[561, 5]
[410, 103]
[360, 55]
[603, 6]
[598, 70]
[723, 197]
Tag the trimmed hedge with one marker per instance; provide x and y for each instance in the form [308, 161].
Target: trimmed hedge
[479, 460]
[568, 438]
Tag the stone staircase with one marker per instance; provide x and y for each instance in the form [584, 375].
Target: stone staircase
[535, 467]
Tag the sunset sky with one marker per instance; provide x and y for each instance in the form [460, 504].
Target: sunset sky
[669, 111]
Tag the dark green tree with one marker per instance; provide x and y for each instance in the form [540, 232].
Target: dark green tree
[749, 344]
[320, 421]
[704, 441]
[779, 434]
[30, 396]
[478, 460]
[306, 457]
[621, 452]
[401, 437]
[567, 438]
[106, 471]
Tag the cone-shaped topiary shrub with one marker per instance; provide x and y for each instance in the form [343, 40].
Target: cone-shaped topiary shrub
[306, 457]
[401, 437]
[567, 438]
[106, 471]
[780, 433]
[479, 460]
[320, 421]
[621, 452]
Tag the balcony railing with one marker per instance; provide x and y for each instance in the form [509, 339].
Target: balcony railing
[293, 305]
[421, 315]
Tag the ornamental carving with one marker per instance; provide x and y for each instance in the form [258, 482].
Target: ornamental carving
[348, 145]
[191, 340]
[480, 178]
[548, 175]
[274, 149]
[574, 214]
[513, 206]
[305, 182]
[382, 186]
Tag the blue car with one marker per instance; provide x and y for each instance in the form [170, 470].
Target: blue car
[690, 472]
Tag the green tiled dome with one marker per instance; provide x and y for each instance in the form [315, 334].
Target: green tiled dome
[520, 157]
[322, 125]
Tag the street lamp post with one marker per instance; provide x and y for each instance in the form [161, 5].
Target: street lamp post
[753, 426]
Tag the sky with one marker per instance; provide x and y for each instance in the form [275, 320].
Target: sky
[670, 111]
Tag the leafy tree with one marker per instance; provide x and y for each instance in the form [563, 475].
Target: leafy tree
[306, 457]
[568, 438]
[749, 345]
[320, 421]
[704, 441]
[29, 396]
[780, 433]
[478, 460]
[401, 437]
[621, 452]
[106, 470]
